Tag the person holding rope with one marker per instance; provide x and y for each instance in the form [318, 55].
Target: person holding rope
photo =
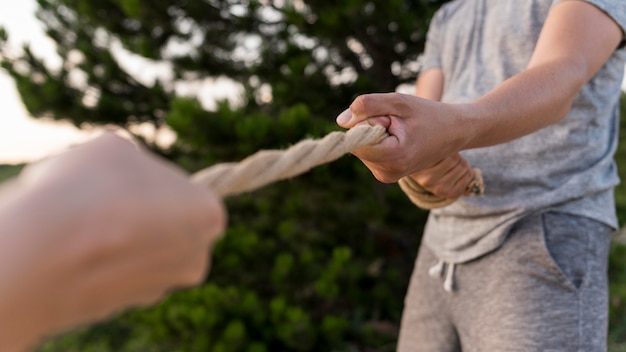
[527, 91]
[98, 229]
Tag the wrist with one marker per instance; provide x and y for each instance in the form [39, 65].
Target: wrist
[464, 126]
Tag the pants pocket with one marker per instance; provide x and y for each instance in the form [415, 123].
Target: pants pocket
[566, 243]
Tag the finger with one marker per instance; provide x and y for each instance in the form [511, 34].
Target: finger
[361, 109]
[381, 160]
[446, 177]
[380, 151]
[433, 176]
[377, 104]
[456, 180]
[345, 117]
[384, 121]
[464, 182]
[383, 174]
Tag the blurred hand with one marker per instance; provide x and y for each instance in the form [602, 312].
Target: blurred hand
[98, 229]
[421, 133]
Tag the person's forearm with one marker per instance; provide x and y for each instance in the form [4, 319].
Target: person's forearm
[20, 311]
[429, 84]
[567, 55]
[523, 104]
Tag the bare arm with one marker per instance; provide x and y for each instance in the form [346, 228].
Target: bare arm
[577, 39]
[450, 176]
[429, 84]
[567, 55]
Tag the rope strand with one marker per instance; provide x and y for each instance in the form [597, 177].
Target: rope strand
[267, 166]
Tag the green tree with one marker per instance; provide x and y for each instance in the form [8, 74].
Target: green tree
[315, 53]
[318, 263]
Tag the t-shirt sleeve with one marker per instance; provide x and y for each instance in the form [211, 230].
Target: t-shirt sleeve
[432, 49]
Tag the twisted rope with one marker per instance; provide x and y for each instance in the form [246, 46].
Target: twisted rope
[268, 166]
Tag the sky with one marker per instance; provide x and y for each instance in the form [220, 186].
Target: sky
[24, 139]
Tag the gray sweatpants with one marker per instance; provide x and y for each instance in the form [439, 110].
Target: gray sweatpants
[544, 290]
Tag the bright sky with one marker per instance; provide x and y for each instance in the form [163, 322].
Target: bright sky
[23, 138]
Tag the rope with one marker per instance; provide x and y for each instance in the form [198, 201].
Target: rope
[268, 166]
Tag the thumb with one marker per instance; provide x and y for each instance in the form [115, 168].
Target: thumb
[348, 120]
[345, 119]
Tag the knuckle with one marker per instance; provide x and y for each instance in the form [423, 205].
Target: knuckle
[360, 104]
[386, 177]
[445, 191]
[400, 101]
[461, 187]
[427, 182]
[386, 172]
[438, 190]
[456, 192]
[395, 173]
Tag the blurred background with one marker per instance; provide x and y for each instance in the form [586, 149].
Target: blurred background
[317, 263]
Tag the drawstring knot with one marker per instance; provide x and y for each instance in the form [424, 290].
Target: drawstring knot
[436, 270]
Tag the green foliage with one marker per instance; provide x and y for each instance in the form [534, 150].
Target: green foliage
[617, 263]
[310, 52]
[620, 157]
[8, 171]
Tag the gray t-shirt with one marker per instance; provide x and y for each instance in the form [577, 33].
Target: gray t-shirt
[567, 166]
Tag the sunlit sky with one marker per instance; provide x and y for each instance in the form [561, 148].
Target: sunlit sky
[22, 138]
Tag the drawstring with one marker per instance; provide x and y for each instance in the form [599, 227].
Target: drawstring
[436, 271]
[448, 284]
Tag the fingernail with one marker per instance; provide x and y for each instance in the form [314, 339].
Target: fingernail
[344, 117]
